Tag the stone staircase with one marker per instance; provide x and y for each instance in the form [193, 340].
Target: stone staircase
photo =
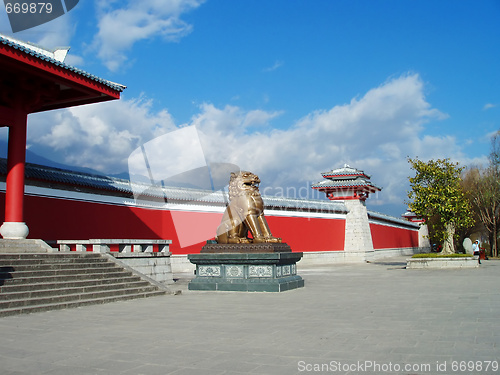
[42, 281]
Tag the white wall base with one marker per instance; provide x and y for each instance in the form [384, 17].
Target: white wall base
[429, 263]
[25, 246]
[387, 253]
[318, 258]
[180, 263]
[154, 265]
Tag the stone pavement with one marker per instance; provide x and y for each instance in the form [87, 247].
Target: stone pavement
[348, 319]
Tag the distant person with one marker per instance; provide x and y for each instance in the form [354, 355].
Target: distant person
[476, 250]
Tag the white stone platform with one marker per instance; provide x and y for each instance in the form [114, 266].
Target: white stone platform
[439, 263]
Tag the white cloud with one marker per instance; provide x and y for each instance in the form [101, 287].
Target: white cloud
[375, 132]
[99, 136]
[277, 64]
[489, 106]
[258, 117]
[122, 24]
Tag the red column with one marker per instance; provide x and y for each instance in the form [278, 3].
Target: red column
[14, 226]
[14, 197]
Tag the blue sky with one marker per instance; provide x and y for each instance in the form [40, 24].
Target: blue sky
[287, 89]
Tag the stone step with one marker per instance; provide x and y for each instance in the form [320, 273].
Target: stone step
[63, 278]
[24, 246]
[6, 261]
[68, 283]
[65, 298]
[62, 256]
[72, 304]
[55, 266]
[41, 281]
[59, 272]
[48, 290]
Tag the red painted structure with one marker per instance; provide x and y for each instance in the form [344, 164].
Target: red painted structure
[56, 215]
[391, 237]
[346, 183]
[54, 219]
[31, 82]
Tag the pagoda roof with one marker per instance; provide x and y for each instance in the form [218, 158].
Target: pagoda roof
[52, 56]
[409, 214]
[358, 182]
[345, 172]
[42, 81]
[346, 178]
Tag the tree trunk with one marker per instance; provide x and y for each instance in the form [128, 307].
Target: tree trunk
[490, 241]
[494, 243]
[448, 246]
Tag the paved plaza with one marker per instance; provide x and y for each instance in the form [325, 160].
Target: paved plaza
[348, 319]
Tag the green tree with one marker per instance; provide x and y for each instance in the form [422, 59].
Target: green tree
[436, 195]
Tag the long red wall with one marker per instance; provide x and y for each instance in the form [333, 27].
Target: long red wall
[56, 219]
[389, 237]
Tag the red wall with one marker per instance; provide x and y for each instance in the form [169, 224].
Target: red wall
[387, 237]
[309, 234]
[56, 219]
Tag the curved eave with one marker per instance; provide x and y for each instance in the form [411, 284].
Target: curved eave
[76, 86]
[370, 188]
[344, 175]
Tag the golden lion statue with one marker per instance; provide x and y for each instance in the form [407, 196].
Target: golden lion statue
[245, 212]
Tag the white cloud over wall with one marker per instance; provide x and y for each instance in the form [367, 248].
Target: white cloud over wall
[99, 136]
[374, 132]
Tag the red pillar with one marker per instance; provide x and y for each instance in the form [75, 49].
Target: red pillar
[14, 226]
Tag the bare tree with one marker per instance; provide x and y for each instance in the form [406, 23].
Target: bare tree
[484, 193]
[495, 151]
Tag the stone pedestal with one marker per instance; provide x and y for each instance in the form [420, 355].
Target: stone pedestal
[246, 272]
[14, 230]
[246, 248]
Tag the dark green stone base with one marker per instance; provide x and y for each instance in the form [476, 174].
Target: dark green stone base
[261, 272]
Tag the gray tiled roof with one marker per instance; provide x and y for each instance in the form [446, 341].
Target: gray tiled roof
[391, 219]
[93, 183]
[345, 178]
[346, 171]
[112, 85]
[358, 182]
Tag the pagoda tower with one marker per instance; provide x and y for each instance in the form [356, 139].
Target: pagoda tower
[346, 183]
[352, 186]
